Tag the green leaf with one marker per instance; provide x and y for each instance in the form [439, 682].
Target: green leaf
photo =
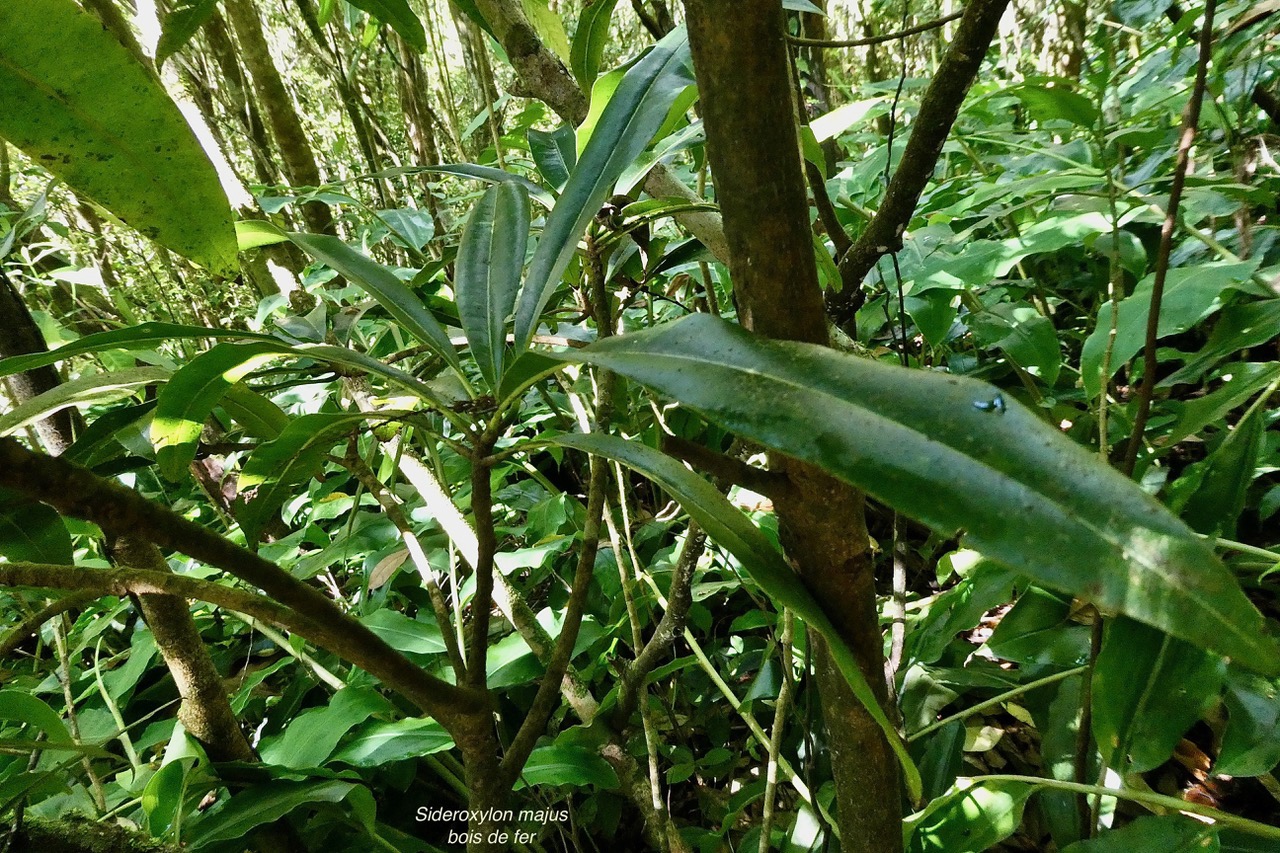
[184, 404]
[255, 233]
[275, 467]
[633, 115]
[401, 18]
[731, 529]
[32, 531]
[1240, 383]
[1045, 103]
[1251, 743]
[928, 443]
[259, 416]
[1148, 690]
[259, 805]
[80, 104]
[310, 737]
[405, 634]
[567, 764]
[382, 743]
[1239, 327]
[589, 40]
[489, 264]
[1218, 499]
[130, 338]
[21, 707]
[95, 388]
[555, 153]
[180, 24]
[1191, 294]
[969, 819]
[1039, 630]
[1153, 834]
[488, 174]
[548, 26]
[390, 292]
[162, 797]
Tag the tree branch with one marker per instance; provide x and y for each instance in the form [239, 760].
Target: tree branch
[933, 123]
[867, 42]
[79, 493]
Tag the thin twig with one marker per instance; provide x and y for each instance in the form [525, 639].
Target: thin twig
[873, 40]
[1190, 124]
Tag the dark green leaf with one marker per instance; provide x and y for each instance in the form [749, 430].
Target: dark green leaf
[1218, 499]
[405, 634]
[271, 472]
[555, 153]
[80, 104]
[1154, 834]
[259, 805]
[383, 743]
[490, 261]
[634, 113]
[559, 764]
[32, 532]
[390, 292]
[731, 529]
[400, 16]
[1148, 689]
[589, 40]
[1251, 743]
[969, 819]
[927, 443]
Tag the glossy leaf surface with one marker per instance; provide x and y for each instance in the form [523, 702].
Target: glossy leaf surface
[489, 264]
[634, 113]
[955, 454]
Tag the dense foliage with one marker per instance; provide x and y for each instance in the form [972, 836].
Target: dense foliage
[436, 472]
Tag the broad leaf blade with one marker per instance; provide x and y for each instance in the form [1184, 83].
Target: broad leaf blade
[180, 24]
[490, 260]
[952, 453]
[589, 40]
[635, 113]
[130, 338]
[390, 292]
[186, 401]
[400, 16]
[95, 388]
[84, 108]
[730, 528]
[276, 467]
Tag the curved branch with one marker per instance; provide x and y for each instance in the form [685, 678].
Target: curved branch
[932, 125]
[29, 626]
[79, 493]
[867, 42]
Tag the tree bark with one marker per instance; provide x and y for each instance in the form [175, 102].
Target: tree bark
[295, 149]
[745, 84]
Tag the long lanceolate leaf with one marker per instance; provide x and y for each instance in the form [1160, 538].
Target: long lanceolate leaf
[185, 403]
[134, 337]
[490, 261]
[955, 454]
[634, 114]
[730, 528]
[84, 108]
[390, 292]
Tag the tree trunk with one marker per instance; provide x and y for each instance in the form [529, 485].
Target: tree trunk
[295, 149]
[745, 84]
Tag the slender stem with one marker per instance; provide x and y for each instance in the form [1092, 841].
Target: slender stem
[994, 701]
[1189, 126]
[867, 42]
[1252, 827]
[780, 713]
